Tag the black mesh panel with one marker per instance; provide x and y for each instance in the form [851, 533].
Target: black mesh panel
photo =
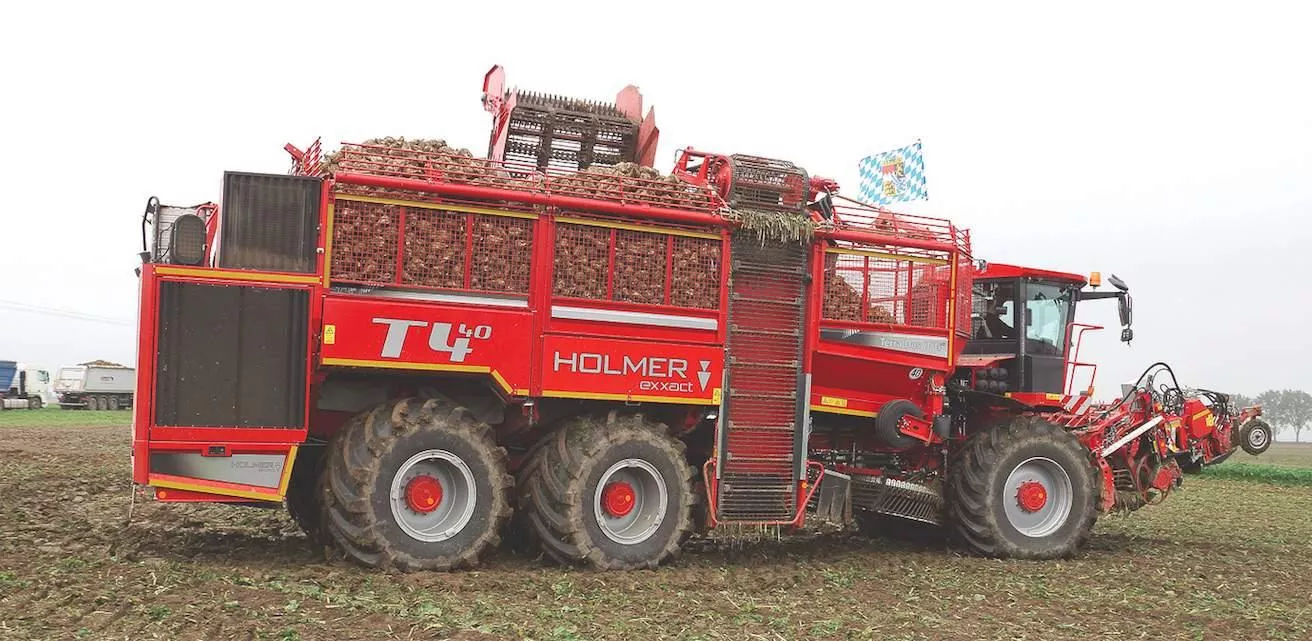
[270, 222]
[231, 356]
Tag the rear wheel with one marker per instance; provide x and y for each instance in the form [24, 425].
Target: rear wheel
[112, 403]
[613, 492]
[93, 403]
[416, 485]
[1255, 437]
[1024, 490]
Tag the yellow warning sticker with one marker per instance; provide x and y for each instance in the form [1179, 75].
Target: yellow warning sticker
[715, 395]
[833, 401]
[329, 334]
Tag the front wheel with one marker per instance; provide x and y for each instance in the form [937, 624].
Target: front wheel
[612, 492]
[34, 403]
[1255, 437]
[1024, 490]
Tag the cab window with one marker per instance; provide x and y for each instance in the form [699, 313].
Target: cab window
[1047, 312]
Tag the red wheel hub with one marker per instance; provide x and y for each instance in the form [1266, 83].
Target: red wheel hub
[618, 498]
[423, 494]
[1032, 496]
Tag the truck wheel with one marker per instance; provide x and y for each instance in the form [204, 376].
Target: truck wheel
[1255, 437]
[613, 492]
[417, 485]
[1024, 490]
[93, 403]
[305, 493]
[34, 403]
[112, 402]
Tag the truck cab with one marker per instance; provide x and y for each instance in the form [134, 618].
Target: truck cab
[24, 386]
[1024, 340]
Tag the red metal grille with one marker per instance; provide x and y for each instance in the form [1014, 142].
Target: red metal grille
[435, 248]
[502, 255]
[438, 249]
[965, 276]
[695, 272]
[582, 262]
[759, 465]
[640, 259]
[365, 242]
[885, 290]
[632, 266]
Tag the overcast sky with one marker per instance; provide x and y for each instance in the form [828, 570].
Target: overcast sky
[1171, 145]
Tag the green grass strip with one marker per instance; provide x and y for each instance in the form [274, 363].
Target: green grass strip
[1261, 473]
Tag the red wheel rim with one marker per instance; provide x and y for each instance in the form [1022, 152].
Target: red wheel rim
[618, 498]
[423, 494]
[1032, 496]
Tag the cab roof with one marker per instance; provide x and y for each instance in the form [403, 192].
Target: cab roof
[998, 270]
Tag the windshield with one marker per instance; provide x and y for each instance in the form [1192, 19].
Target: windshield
[1047, 311]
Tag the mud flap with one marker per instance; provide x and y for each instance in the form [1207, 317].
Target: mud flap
[834, 498]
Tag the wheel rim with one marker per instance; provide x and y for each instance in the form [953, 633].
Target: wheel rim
[1038, 497]
[1257, 438]
[433, 496]
[630, 501]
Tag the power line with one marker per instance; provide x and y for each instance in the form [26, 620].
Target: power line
[62, 313]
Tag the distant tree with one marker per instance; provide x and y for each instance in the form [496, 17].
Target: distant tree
[1288, 408]
[1240, 401]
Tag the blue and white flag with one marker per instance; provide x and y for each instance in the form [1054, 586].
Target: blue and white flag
[893, 176]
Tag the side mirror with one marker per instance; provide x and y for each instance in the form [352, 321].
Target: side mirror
[1127, 310]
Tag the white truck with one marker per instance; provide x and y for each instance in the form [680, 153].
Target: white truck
[95, 387]
[23, 386]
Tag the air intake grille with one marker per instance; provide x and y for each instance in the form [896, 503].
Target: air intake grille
[270, 222]
[760, 464]
[231, 356]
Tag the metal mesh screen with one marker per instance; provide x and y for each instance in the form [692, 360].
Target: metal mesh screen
[695, 278]
[435, 244]
[231, 356]
[633, 266]
[640, 260]
[270, 222]
[502, 254]
[888, 290]
[438, 249]
[365, 242]
[759, 462]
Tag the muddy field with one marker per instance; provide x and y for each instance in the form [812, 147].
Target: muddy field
[1222, 559]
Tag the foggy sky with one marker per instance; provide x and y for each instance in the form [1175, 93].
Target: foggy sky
[1170, 145]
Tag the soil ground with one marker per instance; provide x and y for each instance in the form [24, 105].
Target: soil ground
[1220, 559]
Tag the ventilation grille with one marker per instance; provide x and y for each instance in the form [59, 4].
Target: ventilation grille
[231, 356]
[270, 222]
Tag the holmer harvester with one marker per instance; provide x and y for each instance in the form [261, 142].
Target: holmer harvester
[423, 352]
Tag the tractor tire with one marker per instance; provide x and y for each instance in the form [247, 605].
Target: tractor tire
[613, 492]
[1255, 437]
[1024, 490]
[519, 535]
[416, 485]
[112, 403]
[305, 489]
[34, 403]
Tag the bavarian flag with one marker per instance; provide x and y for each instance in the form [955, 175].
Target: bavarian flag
[893, 176]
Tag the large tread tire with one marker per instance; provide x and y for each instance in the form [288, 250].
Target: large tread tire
[561, 481]
[305, 488]
[112, 403]
[365, 456]
[1255, 437]
[976, 490]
